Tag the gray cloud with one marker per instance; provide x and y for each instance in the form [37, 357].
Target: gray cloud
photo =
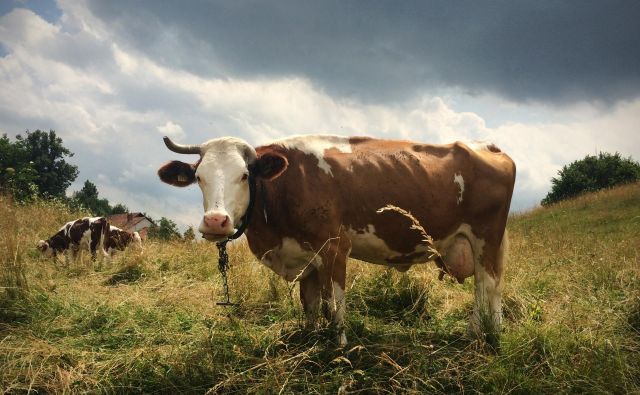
[102, 86]
[385, 51]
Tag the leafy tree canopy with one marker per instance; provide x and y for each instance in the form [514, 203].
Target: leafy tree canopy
[87, 197]
[165, 230]
[35, 165]
[119, 209]
[591, 174]
[46, 153]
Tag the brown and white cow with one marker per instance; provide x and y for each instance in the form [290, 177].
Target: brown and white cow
[119, 239]
[87, 233]
[316, 204]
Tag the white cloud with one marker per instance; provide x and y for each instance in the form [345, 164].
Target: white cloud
[172, 130]
[110, 113]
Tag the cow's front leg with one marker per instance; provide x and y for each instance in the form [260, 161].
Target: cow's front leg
[72, 254]
[310, 297]
[332, 275]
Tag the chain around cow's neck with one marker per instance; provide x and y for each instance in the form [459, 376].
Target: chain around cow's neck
[223, 257]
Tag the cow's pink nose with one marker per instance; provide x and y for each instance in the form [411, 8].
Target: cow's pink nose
[216, 221]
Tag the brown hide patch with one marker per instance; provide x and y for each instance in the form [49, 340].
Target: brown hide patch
[59, 241]
[118, 239]
[77, 229]
[178, 173]
[98, 228]
[406, 258]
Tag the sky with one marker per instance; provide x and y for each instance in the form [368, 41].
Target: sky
[547, 81]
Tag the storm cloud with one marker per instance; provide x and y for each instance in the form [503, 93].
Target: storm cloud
[547, 82]
[382, 51]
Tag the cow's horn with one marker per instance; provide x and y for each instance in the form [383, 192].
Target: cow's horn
[181, 149]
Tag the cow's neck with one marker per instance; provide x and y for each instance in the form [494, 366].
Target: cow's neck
[259, 237]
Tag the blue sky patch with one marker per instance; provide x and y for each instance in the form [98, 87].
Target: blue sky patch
[47, 9]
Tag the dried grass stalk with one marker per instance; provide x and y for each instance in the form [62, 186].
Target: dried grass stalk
[415, 224]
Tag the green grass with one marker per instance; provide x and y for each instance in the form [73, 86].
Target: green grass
[148, 322]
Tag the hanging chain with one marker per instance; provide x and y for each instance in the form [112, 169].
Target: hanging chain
[223, 257]
[223, 266]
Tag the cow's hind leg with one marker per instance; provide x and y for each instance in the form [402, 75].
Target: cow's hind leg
[487, 312]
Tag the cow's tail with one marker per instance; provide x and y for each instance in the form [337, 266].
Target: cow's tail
[503, 252]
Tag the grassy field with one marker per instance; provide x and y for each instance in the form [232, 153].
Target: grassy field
[148, 322]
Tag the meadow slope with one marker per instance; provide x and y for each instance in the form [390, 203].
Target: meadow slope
[148, 323]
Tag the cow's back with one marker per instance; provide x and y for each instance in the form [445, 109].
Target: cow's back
[443, 186]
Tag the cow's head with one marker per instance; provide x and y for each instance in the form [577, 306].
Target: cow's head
[44, 248]
[137, 240]
[222, 173]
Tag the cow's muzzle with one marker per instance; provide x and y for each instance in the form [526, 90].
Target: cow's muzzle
[216, 226]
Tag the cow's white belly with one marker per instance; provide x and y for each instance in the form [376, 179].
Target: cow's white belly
[290, 260]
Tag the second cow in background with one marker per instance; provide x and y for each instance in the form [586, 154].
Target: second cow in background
[119, 239]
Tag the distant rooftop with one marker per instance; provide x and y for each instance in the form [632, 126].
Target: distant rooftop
[128, 220]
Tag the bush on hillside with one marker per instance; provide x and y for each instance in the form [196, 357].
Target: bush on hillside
[590, 174]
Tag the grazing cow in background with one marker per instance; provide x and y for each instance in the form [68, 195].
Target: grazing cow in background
[88, 233]
[316, 201]
[119, 240]
[56, 244]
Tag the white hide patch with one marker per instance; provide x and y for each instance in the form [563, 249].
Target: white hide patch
[457, 179]
[367, 246]
[85, 240]
[488, 293]
[478, 145]
[66, 228]
[316, 145]
[337, 308]
[290, 260]
[337, 302]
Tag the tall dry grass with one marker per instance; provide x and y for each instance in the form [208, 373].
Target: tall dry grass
[147, 322]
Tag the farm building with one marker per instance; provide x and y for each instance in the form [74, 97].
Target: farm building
[132, 222]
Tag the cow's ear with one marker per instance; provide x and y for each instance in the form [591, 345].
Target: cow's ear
[270, 165]
[177, 173]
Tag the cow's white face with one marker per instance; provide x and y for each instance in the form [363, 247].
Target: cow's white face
[222, 173]
[44, 248]
[223, 178]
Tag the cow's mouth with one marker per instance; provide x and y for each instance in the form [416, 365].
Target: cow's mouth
[214, 236]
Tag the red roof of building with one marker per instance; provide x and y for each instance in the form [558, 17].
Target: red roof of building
[127, 221]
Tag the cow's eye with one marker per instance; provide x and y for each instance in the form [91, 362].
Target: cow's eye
[245, 176]
[198, 178]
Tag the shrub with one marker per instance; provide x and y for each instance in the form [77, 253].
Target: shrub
[590, 174]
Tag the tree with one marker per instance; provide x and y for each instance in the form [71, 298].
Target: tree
[88, 198]
[591, 174]
[17, 175]
[45, 154]
[189, 234]
[119, 209]
[165, 230]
